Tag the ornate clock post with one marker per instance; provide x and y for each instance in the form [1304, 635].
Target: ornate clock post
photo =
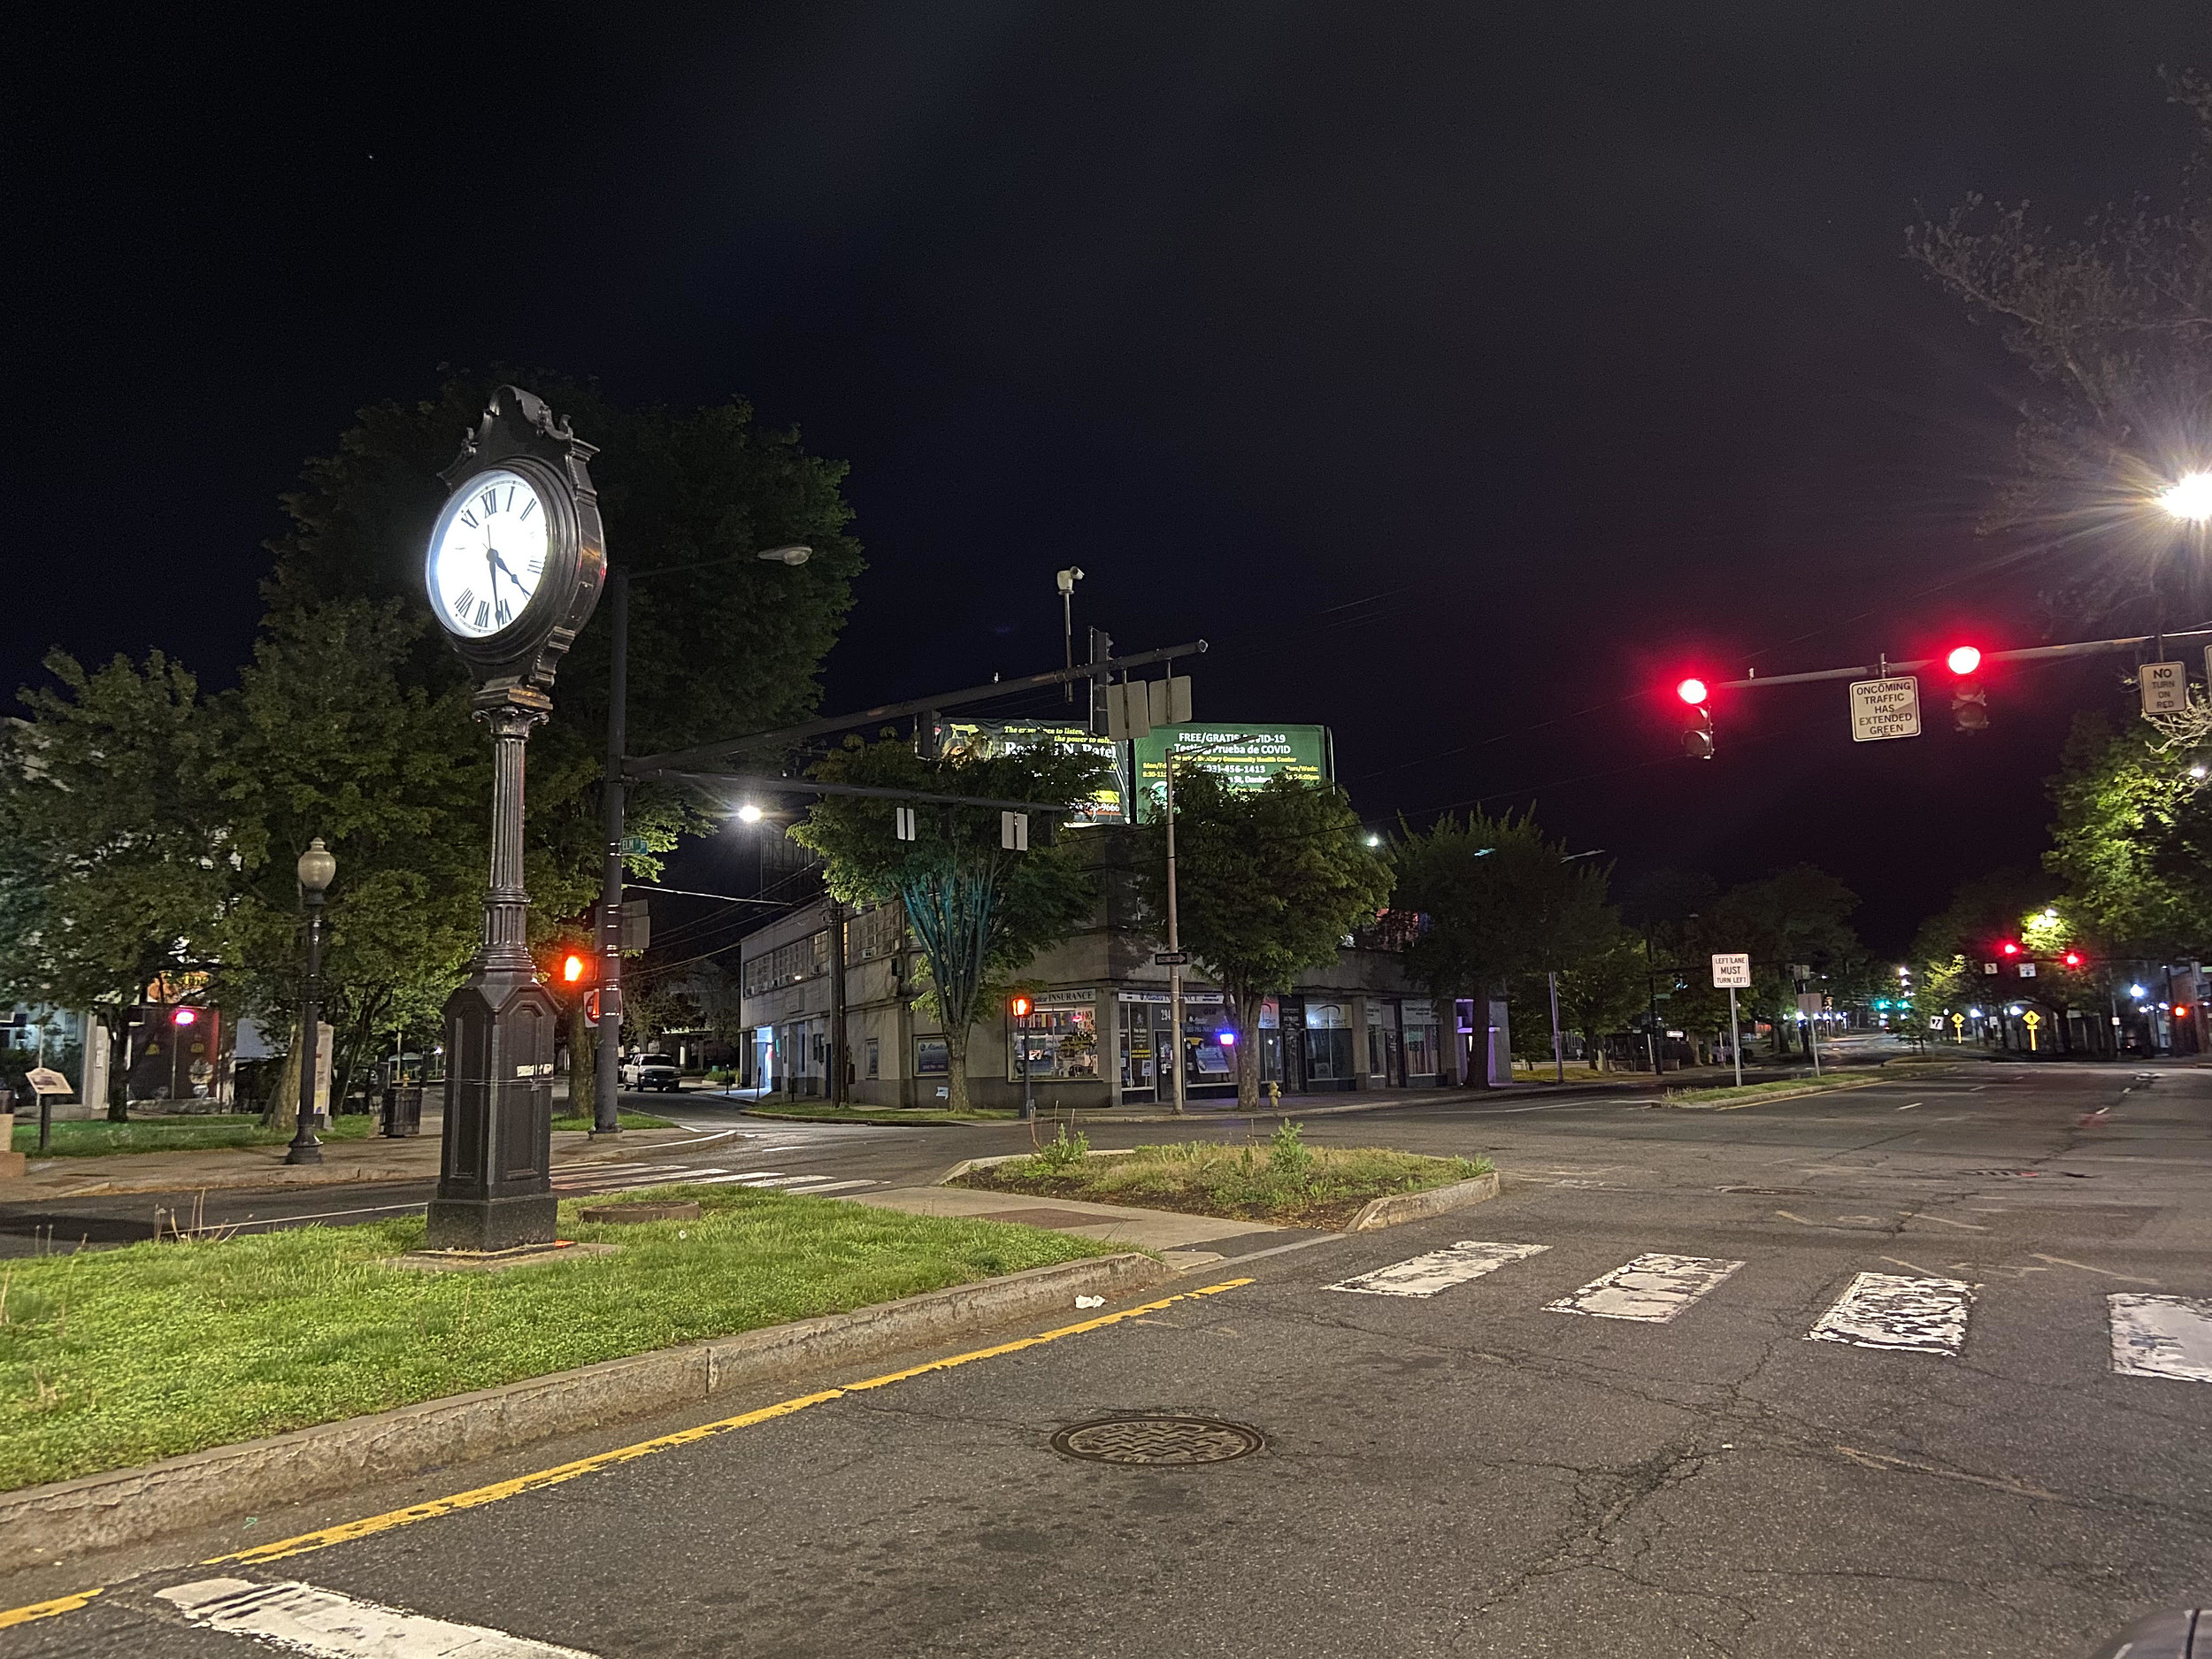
[514, 568]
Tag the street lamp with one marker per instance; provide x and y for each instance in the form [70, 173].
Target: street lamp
[317, 869]
[2189, 497]
[603, 1119]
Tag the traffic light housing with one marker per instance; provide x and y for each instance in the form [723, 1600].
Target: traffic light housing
[1019, 1005]
[573, 968]
[1697, 737]
[1969, 703]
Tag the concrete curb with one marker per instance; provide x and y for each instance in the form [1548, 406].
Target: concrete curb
[131, 1506]
[1399, 1207]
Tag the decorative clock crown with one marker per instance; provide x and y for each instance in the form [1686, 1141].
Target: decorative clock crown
[521, 427]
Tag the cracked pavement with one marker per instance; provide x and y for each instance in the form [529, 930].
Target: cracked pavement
[1463, 1474]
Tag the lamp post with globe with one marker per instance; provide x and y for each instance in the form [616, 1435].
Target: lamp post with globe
[317, 870]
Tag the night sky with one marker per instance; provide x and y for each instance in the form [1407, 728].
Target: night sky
[1463, 379]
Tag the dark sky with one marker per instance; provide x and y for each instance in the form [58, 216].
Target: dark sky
[1450, 372]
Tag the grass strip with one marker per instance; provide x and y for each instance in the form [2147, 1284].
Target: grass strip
[97, 1138]
[626, 1120]
[1808, 1085]
[874, 1114]
[1283, 1181]
[112, 1359]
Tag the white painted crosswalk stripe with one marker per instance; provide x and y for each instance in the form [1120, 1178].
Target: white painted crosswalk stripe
[2161, 1336]
[1440, 1269]
[305, 1619]
[1652, 1289]
[1889, 1310]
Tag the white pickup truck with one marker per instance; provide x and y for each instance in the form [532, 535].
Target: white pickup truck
[650, 1071]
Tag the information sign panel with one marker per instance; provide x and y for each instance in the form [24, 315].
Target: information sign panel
[1731, 970]
[2165, 688]
[1884, 709]
[1246, 756]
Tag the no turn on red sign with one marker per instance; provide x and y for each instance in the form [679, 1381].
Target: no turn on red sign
[1884, 709]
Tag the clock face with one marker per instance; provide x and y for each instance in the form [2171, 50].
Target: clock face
[488, 554]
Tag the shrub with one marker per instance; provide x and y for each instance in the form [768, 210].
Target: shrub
[1287, 1154]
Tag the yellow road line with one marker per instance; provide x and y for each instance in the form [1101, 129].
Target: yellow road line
[349, 1531]
[46, 1609]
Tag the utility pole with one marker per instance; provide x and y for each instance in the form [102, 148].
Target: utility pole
[1558, 1045]
[837, 1002]
[604, 1120]
[1651, 991]
[1066, 580]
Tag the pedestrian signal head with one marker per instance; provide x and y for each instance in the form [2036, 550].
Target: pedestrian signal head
[1018, 1006]
[573, 968]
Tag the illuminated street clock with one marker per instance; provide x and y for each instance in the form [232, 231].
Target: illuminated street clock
[516, 558]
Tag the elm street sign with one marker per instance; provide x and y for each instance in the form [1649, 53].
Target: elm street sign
[1884, 709]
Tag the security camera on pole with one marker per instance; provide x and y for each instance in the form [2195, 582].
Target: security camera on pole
[513, 571]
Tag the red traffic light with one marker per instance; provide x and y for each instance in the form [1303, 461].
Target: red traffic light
[2010, 947]
[1963, 659]
[573, 968]
[1018, 1006]
[186, 1016]
[2072, 958]
[1692, 691]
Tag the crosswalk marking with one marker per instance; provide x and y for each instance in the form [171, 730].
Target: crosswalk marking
[2161, 1336]
[1922, 1316]
[308, 1620]
[1440, 1269]
[1651, 1289]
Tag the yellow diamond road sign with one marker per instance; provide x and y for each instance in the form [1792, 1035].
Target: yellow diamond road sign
[1884, 709]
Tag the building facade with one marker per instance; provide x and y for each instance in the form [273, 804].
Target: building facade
[1102, 1033]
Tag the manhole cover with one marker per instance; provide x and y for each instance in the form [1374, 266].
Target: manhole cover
[1157, 1439]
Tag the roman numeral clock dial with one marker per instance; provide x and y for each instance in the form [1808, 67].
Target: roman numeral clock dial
[488, 554]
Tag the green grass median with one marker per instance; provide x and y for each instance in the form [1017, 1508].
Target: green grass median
[1283, 1179]
[625, 1120]
[93, 1138]
[113, 1358]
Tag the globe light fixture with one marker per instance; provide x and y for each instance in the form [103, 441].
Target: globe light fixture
[2189, 497]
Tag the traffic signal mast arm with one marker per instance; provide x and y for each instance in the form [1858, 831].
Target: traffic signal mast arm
[2029, 654]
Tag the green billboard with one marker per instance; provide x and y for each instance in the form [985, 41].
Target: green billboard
[1248, 755]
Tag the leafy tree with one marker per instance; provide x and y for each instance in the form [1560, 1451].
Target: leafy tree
[1798, 915]
[1268, 882]
[115, 856]
[979, 912]
[1502, 900]
[2133, 840]
[1602, 992]
[324, 738]
[2115, 326]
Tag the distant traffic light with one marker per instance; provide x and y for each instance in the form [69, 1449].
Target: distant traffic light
[2010, 947]
[1970, 703]
[2072, 958]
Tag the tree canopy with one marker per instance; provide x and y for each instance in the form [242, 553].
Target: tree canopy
[979, 912]
[1268, 882]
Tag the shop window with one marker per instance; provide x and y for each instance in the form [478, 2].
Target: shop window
[1062, 1039]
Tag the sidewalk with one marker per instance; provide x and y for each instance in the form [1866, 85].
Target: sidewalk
[1173, 1234]
[410, 1158]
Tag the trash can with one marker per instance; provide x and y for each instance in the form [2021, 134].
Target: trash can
[403, 1110]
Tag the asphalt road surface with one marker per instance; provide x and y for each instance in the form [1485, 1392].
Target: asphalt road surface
[1835, 1376]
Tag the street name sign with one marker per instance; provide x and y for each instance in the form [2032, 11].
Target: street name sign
[1732, 971]
[1884, 709]
[2165, 688]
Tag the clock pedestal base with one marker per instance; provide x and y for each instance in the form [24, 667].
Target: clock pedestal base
[491, 1223]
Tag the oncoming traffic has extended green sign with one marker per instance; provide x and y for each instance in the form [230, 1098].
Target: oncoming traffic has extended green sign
[1248, 755]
